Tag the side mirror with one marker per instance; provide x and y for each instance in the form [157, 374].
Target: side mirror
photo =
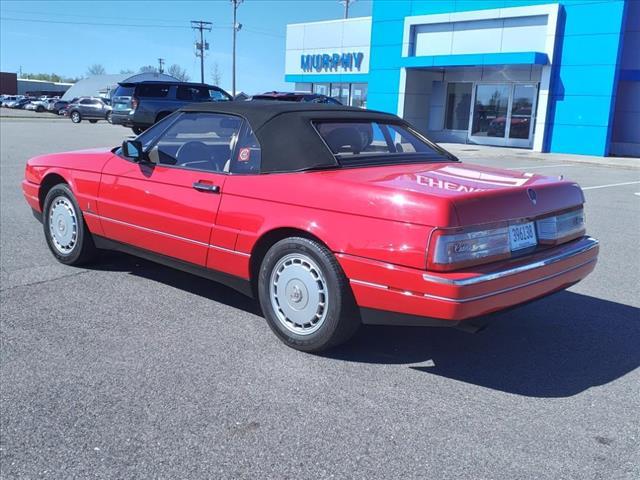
[133, 149]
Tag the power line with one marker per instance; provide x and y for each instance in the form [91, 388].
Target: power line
[147, 25]
[33, 20]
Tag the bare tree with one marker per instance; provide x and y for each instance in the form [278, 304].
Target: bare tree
[127, 71]
[180, 73]
[148, 69]
[216, 74]
[96, 69]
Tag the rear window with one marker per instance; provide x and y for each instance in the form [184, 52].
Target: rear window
[360, 143]
[156, 91]
[123, 91]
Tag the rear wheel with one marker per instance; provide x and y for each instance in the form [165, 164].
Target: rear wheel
[39, 109]
[76, 117]
[66, 233]
[305, 296]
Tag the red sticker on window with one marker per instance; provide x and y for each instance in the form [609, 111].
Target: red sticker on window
[244, 154]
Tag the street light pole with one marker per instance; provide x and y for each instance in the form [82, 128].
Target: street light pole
[346, 4]
[236, 27]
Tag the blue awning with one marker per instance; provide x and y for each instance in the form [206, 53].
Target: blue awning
[477, 60]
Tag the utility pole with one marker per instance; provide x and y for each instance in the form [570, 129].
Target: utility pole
[201, 46]
[236, 27]
[346, 4]
[161, 65]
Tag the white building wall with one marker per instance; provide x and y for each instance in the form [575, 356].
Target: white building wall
[352, 35]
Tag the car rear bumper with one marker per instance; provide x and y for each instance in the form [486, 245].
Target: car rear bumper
[409, 295]
[123, 119]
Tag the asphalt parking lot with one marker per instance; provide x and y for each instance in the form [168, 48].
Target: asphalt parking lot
[131, 370]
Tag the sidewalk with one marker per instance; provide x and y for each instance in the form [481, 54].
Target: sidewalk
[482, 151]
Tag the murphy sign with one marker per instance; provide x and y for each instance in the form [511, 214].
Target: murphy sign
[333, 62]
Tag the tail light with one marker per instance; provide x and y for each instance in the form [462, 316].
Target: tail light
[134, 103]
[458, 248]
[465, 248]
[562, 227]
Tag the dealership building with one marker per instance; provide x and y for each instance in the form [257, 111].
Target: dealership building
[552, 77]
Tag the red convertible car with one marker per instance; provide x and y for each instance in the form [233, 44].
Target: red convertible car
[331, 216]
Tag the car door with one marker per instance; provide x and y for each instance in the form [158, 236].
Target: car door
[169, 206]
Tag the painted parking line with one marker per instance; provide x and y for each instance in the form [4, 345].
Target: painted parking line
[542, 166]
[610, 185]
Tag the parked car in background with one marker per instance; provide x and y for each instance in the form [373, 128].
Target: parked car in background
[332, 216]
[140, 105]
[60, 106]
[40, 105]
[8, 99]
[89, 108]
[19, 104]
[296, 97]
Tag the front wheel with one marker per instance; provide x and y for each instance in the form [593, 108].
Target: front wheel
[108, 117]
[305, 295]
[66, 233]
[76, 117]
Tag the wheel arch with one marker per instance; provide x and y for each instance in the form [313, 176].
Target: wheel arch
[49, 181]
[267, 240]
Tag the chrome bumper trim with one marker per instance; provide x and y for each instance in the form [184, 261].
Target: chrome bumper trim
[477, 297]
[563, 253]
[510, 289]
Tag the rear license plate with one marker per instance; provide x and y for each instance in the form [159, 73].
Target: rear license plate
[522, 236]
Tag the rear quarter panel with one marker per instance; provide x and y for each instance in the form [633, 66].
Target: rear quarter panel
[255, 205]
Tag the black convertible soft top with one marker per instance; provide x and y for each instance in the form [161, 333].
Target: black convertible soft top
[288, 139]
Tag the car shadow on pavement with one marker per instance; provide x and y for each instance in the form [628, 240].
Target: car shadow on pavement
[556, 347]
[115, 261]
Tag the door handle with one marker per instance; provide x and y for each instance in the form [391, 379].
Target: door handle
[206, 187]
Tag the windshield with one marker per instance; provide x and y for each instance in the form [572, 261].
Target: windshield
[370, 143]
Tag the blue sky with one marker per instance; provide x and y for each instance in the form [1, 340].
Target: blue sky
[58, 36]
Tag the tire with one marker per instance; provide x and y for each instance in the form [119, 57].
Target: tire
[108, 117]
[69, 240]
[138, 130]
[75, 116]
[93, 121]
[300, 281]
[39, 109]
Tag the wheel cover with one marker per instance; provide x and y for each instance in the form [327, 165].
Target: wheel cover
[63, 225]
[298, 293]
[75, 116]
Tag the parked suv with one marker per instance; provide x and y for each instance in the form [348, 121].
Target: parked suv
[89, 108]
[139, 105]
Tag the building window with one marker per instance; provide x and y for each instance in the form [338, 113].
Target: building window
[340, 91]
[458, 106]
[359, 95]
[321, 88]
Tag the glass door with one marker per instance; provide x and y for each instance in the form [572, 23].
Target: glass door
[521, 115]
[503, 114]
